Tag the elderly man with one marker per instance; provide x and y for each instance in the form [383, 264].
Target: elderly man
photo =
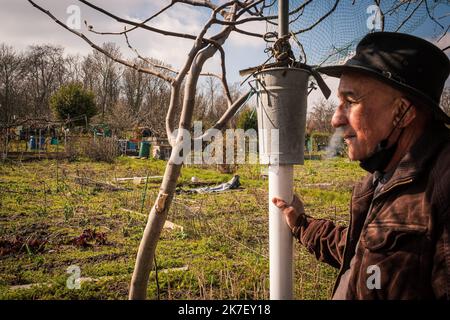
[397, 245]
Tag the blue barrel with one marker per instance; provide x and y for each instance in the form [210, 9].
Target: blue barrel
[42, 143]
[131, 145]
[54, 141]
[144, 150]
[32, 143]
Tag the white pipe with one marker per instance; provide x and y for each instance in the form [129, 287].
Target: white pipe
[280, 238]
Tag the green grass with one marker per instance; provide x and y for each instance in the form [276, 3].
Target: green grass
[224, 244]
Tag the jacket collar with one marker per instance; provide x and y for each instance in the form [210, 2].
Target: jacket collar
[415, 161]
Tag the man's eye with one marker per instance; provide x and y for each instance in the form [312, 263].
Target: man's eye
[351, 102]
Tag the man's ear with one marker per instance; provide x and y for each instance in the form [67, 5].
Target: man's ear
[405, 113]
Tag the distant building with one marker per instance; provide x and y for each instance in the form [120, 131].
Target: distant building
[160, 148]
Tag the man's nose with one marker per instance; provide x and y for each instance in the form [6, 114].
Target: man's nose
[339, 118]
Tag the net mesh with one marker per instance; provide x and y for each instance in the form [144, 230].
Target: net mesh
[335, 38]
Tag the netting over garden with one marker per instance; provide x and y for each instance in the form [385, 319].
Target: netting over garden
[334, 38]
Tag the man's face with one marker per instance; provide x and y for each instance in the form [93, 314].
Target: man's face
[364, 114]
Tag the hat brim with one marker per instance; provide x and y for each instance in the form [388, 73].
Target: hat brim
[337, 71]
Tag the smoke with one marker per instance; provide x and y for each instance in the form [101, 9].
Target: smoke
[336, 143]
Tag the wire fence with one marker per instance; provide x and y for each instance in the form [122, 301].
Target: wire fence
[335, 37]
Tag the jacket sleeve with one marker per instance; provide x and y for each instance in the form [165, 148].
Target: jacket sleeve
[323, 239]
[440, 276]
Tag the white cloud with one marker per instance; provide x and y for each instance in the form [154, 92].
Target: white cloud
[34, 27]
[22, 25]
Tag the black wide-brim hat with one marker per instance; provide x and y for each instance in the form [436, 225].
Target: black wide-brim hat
[408, 63]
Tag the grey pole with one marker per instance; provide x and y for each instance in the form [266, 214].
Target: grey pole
[281, 184]
[281, 109]
[283, 17]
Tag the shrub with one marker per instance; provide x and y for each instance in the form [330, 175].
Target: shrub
[74, 102]
[247, 120]
[101, 149]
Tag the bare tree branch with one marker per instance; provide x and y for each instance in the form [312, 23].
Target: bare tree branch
[248, 33]
[395, 6]
[91, 28]
[198, 45]
[137, 24]
[208, 74]
[273, 17]
[145, 59]
[199, 3]
[223, 79]
[260, 11]
[98, 48]
[231, 111]
[337, 51]
[444, 33]
[408, 2]
[320, 20]
[298, 16]
[431, 16]
[410, 15]
[305, 58]
[257, 18]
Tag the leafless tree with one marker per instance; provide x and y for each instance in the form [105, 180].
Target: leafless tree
[211, 102]
[73, 69]
[319, 118]
[230, 16]
[103, 76]
[45, 73]
[28, 79]
[156, 101]
[88, 73]
[135, 86]
[121, 118]
[211, 87]
[145, 96]
[11, 79]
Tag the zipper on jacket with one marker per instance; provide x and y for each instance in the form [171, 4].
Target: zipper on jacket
[402, 182]
[338, 279]
[399, 183]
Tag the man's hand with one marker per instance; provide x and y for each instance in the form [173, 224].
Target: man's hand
[293, 213]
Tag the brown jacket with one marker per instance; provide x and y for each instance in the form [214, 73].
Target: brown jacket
[406, 233]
